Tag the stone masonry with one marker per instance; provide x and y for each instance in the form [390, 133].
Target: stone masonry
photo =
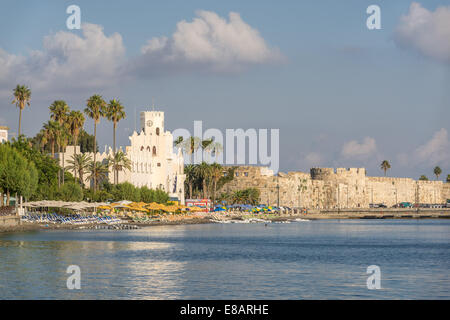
[328, 188]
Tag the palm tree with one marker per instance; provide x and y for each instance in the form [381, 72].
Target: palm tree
[204, 172]
[79, 164]
[118, 163]
[76, 122]
[59, 111]
[97, 172]
[61, 139]
[51, 133]
[95, 110]
[42, 139]
[189, 171]
[216, 174]
[385, 165]
[437, 172]
[178, 142]
[22, 96]
[189, 146]
[65, 133]
[115, 112]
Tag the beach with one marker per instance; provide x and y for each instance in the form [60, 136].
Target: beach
[239, 217]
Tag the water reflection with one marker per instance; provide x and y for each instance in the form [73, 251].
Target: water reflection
[310, 260]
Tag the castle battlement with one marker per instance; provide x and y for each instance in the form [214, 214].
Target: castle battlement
[336, 188]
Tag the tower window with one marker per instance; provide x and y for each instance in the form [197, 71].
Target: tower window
[157, 131]
[154, 151]
[142, 148]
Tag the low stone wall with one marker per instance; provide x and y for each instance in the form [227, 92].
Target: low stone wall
[9, 221]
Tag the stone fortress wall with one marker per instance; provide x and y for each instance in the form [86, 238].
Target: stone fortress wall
[328, 188]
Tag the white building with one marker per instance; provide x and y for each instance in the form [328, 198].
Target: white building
[3, 134]
[153, 161]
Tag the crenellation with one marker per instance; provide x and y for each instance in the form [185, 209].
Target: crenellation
[341, 188]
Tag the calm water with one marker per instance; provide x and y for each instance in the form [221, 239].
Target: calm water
[303, 260]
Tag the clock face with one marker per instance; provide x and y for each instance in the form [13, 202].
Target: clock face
[149, 123]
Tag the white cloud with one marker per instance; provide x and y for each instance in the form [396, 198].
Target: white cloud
[436, 150]
[67, 61]
[355, 150]
[209, 42]
[426, 31]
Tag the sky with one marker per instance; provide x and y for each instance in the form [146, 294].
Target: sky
[340, 94]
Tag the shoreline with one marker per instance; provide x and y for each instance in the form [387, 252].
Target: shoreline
[231, 218]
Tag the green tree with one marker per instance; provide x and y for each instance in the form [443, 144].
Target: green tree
[189, 171]
[80, 165]
[76, 123]
[448, 178]
[423, 178]
[59, 110]
[216, 174]
[95, 109]
[385, 166]
[437, 172]
[71, 192]
[47, 168]
[204, 172]
[17, 174]
[161, 196]
[119, 162]
[115, 112]
[87, 142]
[147, 195]
[22, 97]
[126, 191]
[51, 133]
[97, 173]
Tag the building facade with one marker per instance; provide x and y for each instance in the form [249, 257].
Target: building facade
[3, 134]
[153, 161]
[328, 188]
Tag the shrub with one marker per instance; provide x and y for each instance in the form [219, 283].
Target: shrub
[71, 191]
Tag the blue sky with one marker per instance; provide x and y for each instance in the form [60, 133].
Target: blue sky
[341, 95]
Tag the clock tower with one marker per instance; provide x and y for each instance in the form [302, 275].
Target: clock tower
[152, 122]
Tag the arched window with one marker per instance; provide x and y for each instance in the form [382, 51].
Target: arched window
[148, 149]
[142, 148]
[154, 151]
[157, 131]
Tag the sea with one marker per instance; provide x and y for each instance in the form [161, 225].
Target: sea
[318, 259]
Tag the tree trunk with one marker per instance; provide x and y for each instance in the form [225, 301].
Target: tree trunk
[190, 190]
[95, 155]
[2, 199]
[75, 153]
[59, 167]
[204, 189]
[20, 118]
[63, 166]
[53, 149]
[7, 197]
[114, 152]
